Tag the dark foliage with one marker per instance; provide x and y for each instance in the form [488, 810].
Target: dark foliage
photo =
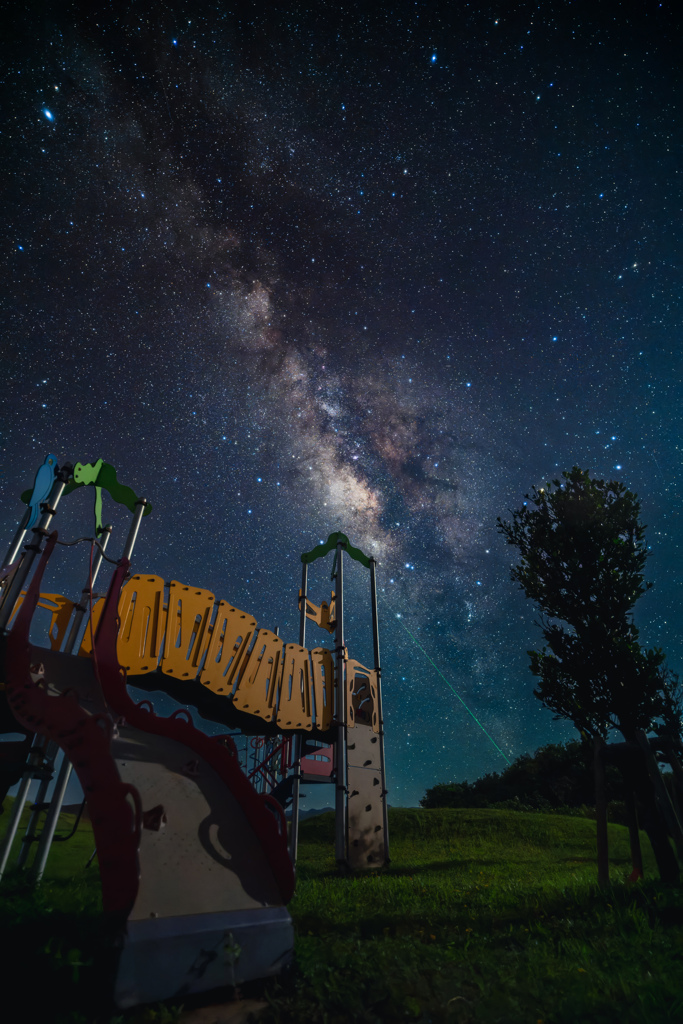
[583, 554]
[557, 775]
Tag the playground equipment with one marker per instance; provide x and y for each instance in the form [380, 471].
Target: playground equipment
[195, 860]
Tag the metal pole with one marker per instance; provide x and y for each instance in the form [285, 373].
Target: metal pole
[296, 740]
[141, 505]
[380, 716]
[82, 608]
[13, 823]
[55, 807]
[340, 804]
[49, 756]
[13, 549]
[33, 548]
[19, 801]
[50, 825]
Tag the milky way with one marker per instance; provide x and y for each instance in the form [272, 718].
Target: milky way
[294, 272]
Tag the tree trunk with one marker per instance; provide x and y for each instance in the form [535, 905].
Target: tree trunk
[678, 776]
[662, 797]
[601, 812]
[633, 835]
[630, 758]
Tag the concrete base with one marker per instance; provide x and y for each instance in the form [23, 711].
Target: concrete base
[166, 958]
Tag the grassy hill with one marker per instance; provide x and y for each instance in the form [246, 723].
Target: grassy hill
[482, 915]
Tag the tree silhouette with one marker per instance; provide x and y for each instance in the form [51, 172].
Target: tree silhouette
[583, 553]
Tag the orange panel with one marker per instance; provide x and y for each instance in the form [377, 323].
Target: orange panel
[322, 615]
[61, 608]
[189, 611]
[294, 706]
[231, 635]
[361, 695]
[85, 650]
[256, 689]
[323, 686]
[141, 611]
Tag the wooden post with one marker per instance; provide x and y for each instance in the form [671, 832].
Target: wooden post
[634, 836]
[601, 812]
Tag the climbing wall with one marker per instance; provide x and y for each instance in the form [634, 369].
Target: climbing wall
[366, 842]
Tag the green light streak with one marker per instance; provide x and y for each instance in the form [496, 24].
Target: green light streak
[472, 715]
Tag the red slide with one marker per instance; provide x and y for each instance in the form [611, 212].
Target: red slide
[192, 859]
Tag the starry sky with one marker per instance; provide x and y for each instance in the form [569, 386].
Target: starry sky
[299, 268]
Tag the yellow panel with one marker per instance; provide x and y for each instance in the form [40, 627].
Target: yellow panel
[189, 611]
[61, 608]
[361, 695]
[374, 685]
[323, 686]
[231, 635]
[257, 684]
[322, 615]
[85, 650]
[20, 601]
[294, 707]
[141, 611]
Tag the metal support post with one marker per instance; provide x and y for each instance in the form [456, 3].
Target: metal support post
[380, 715]
[33, 548]
[50, 825]
[49, 757]
[13, 549]
[340, 802]
[141, 505]
[15, 818]
[296, 740]
[19, 802]
[57, 800]
[82, 608]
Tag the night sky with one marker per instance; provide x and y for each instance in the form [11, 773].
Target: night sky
[299, 268]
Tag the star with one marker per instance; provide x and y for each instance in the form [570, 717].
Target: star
[516, 219]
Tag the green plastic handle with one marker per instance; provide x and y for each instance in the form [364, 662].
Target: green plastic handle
[102, 476]
[331, 544]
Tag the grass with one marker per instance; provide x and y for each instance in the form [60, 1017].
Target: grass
[482, 915]
[66, 858]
